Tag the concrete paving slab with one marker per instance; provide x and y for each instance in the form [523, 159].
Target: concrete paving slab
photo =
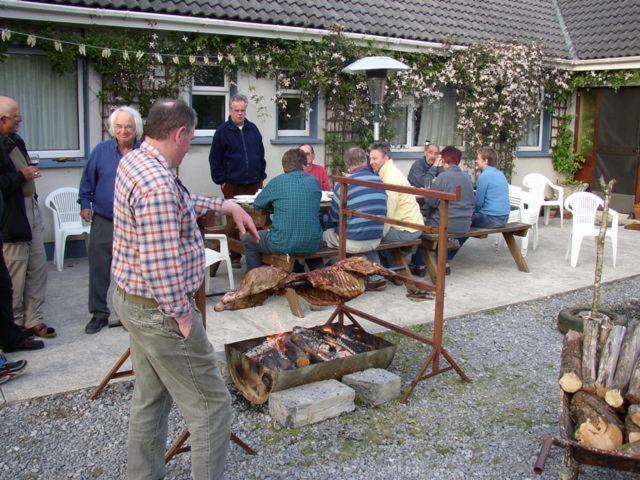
[481, 279]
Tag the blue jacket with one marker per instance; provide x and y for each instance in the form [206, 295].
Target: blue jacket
[364, 199]
[492, 194]
[237, 154]
[98, 179]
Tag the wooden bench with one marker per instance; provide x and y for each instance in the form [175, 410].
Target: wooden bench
[287, 261]
[509, 231]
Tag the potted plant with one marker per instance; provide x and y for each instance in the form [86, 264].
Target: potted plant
[573, 318]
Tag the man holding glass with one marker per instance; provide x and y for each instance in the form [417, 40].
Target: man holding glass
[23, 230]
[424, 170]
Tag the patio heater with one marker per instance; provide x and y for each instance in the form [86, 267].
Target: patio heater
[376, 69]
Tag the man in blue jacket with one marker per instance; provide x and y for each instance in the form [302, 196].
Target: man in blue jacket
[237, 158]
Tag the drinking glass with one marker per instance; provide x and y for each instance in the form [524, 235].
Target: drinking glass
[34, 159]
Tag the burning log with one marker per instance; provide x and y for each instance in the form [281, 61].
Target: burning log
[316, 347]
[350, 343]
[591, 333]
[609, 359]
[597, 425]
[626, 360]
[571, 362]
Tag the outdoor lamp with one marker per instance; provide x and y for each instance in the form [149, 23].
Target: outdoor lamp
[376, 69]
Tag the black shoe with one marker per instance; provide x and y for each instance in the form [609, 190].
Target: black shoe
[27, 343]
[96, 324]
[235, 263]
[447, 269]
[418, 271]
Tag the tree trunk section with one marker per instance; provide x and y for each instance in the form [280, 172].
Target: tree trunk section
[570, 379]
[634, 413]
[631, 430]
[609, 359]
[626, 360]
[632, 449]
[597, 425]
[633, 393]
[590, 343]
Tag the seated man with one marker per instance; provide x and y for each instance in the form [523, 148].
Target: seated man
[314, 169]
[460, 212]
[294, 199]
[400, 206]
[492, 195]
[425, 170]
[363, 235]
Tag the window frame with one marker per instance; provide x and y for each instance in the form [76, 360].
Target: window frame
[293, 93]
[538, 147]
[80, 112]
[219, 91]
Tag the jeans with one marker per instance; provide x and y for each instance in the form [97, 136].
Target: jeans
[253, 249]
[100, 245]
[395, 235]
[170, 367]
[480, 220]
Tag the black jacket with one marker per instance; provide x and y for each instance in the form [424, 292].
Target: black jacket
[15, 225]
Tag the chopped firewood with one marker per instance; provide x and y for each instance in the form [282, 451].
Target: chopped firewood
[591, 333]
[633, 392]
[631, 430]
[571, 362]
[313, 345]
[626, 360]
[634, 413]
[597, 425]
[609, 359]
[630, 449]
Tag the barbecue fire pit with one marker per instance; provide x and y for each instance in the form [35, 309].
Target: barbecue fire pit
[271, 363]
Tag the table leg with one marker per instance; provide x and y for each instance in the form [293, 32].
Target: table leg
[515, 251]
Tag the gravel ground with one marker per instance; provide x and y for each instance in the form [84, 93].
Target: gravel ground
[491, 428]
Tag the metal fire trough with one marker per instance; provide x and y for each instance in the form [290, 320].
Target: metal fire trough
[576, 454]
[256, 381]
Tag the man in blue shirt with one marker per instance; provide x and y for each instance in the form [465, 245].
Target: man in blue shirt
[96, 203]
[294, 199]
[237, 158]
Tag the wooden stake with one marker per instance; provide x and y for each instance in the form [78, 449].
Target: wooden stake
[570, 379]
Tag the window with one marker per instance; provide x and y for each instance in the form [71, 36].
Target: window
[415, 121]
[51, 104]
[532, 134]
[293, 114]
[209, 98]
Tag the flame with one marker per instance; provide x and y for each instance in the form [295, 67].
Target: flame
[279, 341]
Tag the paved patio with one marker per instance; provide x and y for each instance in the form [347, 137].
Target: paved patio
[482, 278]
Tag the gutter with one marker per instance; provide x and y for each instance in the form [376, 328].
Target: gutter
[24, 10]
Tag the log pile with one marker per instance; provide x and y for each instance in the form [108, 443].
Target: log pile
[600, 368]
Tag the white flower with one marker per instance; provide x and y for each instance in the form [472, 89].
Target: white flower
[192, 59]
[139, 54]
[175, 59]
[82, 49]
[125, 55]
[5, 34]
[185, 38]
[154, 36]
[31, 40]
[106, 52]
[205, 59]
[158, 57]
[57, 45]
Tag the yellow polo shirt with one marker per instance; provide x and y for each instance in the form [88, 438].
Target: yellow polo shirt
[400, 206]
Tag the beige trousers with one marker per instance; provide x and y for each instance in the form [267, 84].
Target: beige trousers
[27, 265]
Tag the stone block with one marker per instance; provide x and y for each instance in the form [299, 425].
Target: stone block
[374, 386]
[311, 403]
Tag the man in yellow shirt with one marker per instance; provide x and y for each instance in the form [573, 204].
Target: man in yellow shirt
[400, 206]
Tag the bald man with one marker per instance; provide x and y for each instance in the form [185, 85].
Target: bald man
[23, 247]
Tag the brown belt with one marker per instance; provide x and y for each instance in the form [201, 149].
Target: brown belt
[150, 302]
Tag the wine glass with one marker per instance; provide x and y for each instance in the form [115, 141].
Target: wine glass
[34, 159]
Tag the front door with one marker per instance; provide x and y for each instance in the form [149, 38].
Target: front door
[609, 135]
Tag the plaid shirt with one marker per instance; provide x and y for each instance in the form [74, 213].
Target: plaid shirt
[157, 247]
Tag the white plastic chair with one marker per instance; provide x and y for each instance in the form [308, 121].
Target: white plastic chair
[63, 202]
[537, 185]
[583, 207]
[213, 256]
[519, 201]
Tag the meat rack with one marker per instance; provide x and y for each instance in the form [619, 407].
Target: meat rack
[431, 366]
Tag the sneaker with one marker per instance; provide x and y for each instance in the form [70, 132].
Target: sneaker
[95, 325]
[26, 343]
[453, 244]
[376, 283]
[235, 263]
[11, 369]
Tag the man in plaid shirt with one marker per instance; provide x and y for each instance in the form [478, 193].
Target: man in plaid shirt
[158, 263]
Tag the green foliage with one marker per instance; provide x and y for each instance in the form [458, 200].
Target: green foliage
[605, 78]
[563, 157]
